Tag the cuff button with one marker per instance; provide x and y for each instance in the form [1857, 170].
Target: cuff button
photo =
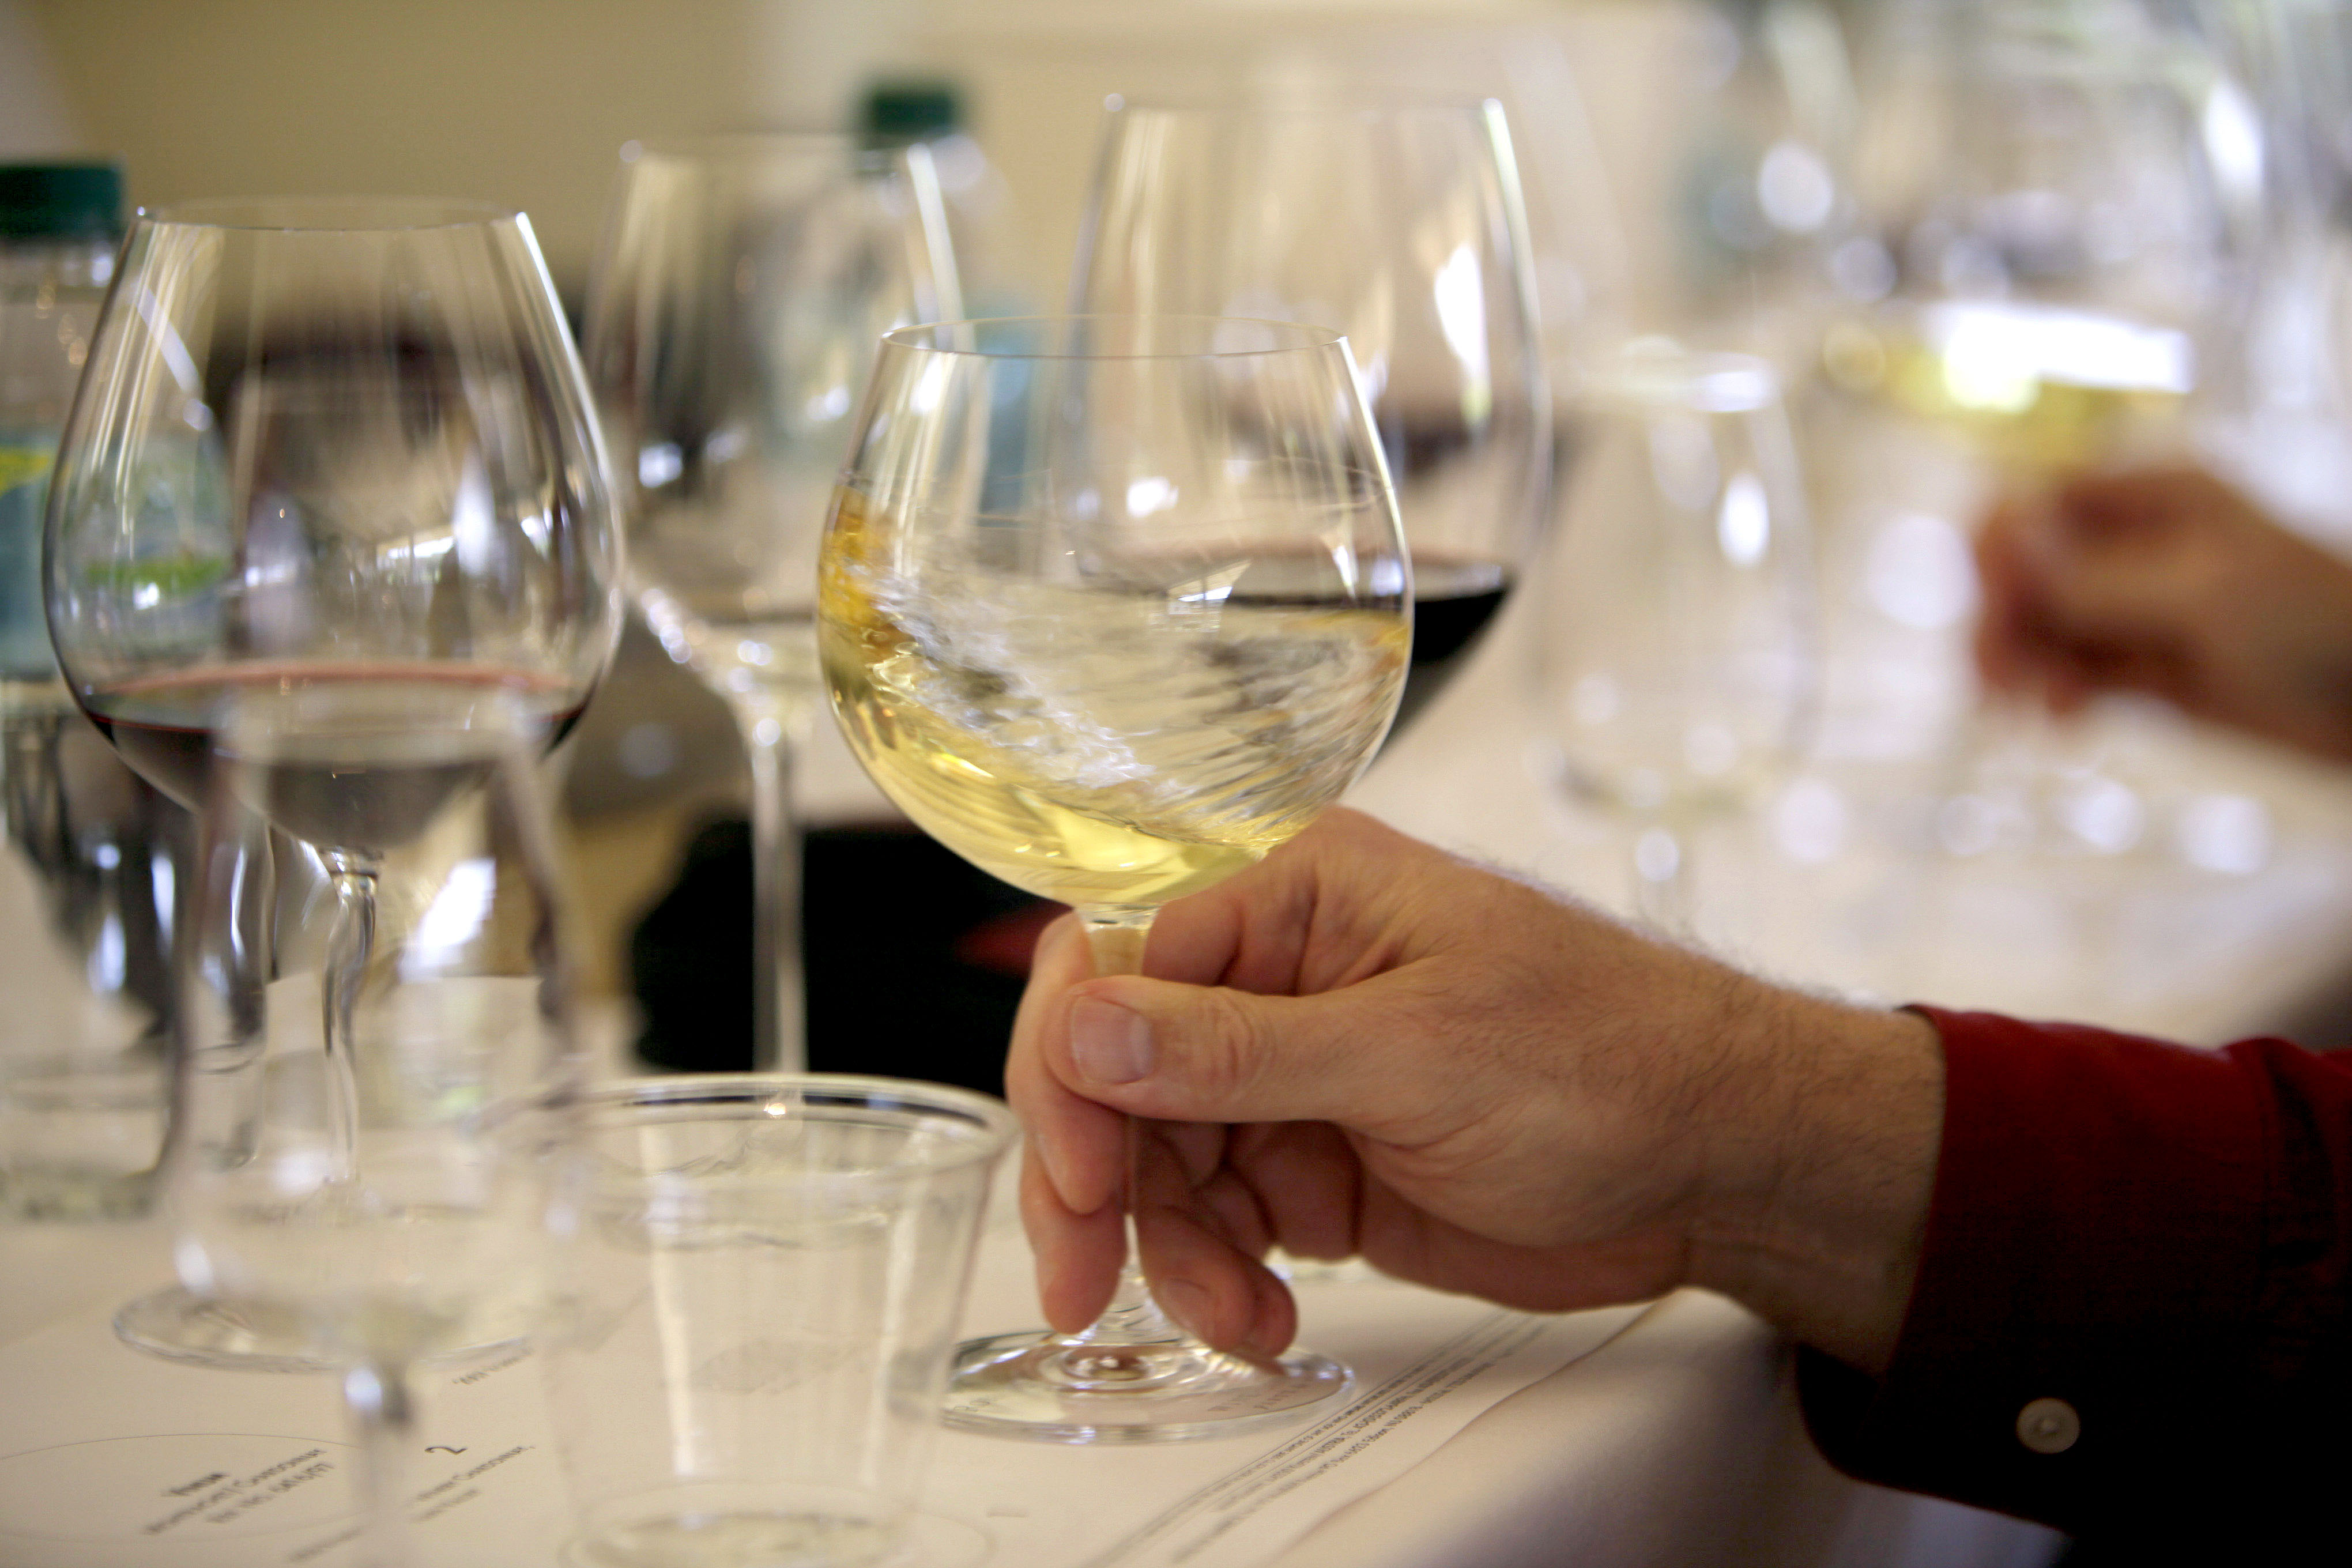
[2048, 1426]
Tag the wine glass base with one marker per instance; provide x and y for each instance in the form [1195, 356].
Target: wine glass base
[177, 1324]
[1052, 1389]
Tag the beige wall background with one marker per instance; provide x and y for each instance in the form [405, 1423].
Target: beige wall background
[520, 102]
[527, 102]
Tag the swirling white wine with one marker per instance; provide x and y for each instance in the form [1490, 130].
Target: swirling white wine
[1105, 747]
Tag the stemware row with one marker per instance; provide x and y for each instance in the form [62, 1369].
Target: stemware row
[1112, 605]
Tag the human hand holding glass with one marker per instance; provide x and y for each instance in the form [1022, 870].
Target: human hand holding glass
[1112, 606]
[732, 321]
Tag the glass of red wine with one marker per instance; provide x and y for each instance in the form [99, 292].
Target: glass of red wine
[1401, 224]
[334, 459]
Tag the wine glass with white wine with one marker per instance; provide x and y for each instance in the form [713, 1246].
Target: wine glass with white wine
[1112, 606]
[2066, 195]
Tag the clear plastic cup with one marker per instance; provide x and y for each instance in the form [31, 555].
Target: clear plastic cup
[759, 1278]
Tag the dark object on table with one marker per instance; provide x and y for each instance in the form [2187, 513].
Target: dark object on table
[915, 958]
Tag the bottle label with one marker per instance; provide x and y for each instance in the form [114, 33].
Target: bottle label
[21, 465]
[25, 651]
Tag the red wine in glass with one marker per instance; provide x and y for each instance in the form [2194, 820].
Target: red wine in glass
[1453, 603]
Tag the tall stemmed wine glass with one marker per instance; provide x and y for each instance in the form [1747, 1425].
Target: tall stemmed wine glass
[2064, 193]
[1112, 606]
[1679, 650]
[731, 323]
[2071, 200]
[338, 456]
[403, 1222]
[1401, 224]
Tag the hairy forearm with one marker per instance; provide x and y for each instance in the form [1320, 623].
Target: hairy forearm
[1821, 1180]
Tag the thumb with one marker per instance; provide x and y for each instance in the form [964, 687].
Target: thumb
[1196, 1053]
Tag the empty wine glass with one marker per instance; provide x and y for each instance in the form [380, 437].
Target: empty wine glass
[2061, 205]
[1399, 223]
[1112, 606]
[2068, 196]
[731, 322]
[1677, 661]
[335, 456]
[395, 1216]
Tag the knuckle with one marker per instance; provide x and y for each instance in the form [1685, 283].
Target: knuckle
[1227, 1052]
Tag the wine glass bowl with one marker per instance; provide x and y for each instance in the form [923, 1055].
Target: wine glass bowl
[1677, 665]
[1399, 223]
[326, 440]
[2061, 227]
[737, 296]
[1112, 606]
[1139, 642]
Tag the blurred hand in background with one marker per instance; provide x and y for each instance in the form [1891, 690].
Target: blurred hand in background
[2166, 581]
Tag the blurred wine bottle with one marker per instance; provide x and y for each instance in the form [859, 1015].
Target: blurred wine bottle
[58, 223]
[89, 870]
[899, 113]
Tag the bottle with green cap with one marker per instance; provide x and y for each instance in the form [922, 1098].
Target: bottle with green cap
[897, 112]
[90, 855]
[59, 225]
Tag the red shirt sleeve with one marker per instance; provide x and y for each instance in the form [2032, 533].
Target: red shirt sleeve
[2131, 1316]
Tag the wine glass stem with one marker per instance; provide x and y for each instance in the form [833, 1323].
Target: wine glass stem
[376, 1394]
[351, 943]
[778, 1008]
[1116, 939]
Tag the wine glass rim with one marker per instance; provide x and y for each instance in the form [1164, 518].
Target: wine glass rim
[718, 145]
[991, 1121]
[328, 214]
[922, 338]
[1345, 104]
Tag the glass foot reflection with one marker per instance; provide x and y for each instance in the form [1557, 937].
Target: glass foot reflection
[179, 1325]
[1067, 1389]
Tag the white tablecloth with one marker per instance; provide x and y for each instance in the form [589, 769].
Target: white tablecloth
[1677, 1440]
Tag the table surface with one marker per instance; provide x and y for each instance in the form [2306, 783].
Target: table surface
[1678, 1440]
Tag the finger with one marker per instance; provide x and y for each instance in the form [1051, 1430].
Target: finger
[1078, 1143]
[2127, 507]
[1303, 919]
[1307, 1181]
[1190, 1053]
[1077, 1256]
[2002, 641]
[1200, 1275]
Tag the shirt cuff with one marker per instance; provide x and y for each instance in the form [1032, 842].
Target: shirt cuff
[2091, 1267]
